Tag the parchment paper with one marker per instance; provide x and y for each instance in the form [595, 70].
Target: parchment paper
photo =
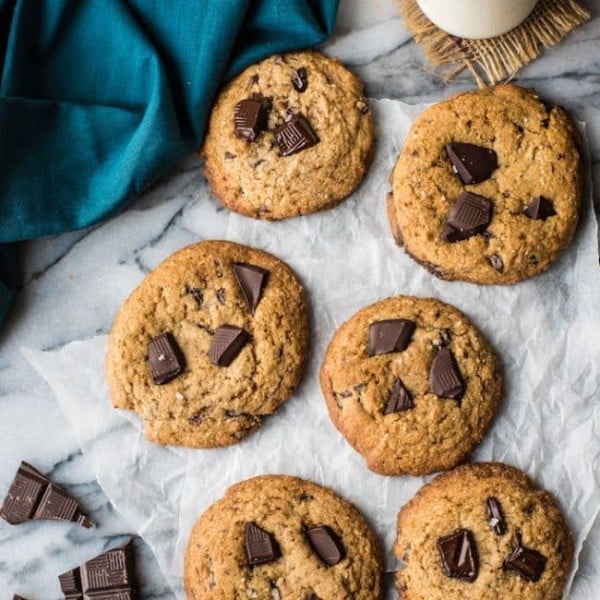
[546, 331]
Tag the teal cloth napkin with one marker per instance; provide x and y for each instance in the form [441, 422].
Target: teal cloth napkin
[98, 98]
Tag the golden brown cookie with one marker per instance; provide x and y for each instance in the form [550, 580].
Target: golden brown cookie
[283, 538]
[289, 136]
[411, 384]
[211, 342]
[487, 186]
[482, 532]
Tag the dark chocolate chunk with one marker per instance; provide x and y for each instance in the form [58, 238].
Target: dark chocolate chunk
[540, 208]
[468, 216]
[33, 497]
[300, 80]
[165, 359]
[250, 117]
[229, 155]
[252, 280]
[295, 135]
[399, 400]
[313, 596]
[196, 294]
[459, 555]
[497, 262]
[495, 516]
[451, 235]
[226, 344]
[527, 563]
[326, 544]
[222, 295]
[108, 576]
[17, 597]
[391, 335]
[444, 376]
[473, 164]
[261, 546]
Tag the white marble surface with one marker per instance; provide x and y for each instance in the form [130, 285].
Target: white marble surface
[64, 297]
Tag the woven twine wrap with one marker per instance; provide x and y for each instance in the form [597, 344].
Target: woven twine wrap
[498, 59]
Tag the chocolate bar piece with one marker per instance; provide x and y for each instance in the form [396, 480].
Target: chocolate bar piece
[108, 576]
[32, 497]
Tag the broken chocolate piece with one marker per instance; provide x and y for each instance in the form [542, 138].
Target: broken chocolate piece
[250, 117]
[444, 376]
[459, 555]
[540, 208]
[300, 80]
[33, 497]
[399, 400]
[226, 344]
[251, 280]
[468, 216]
[109, 576]
[473, 164]
[495, 516]
[196, 294]
[391, 335]
[165, 359]
[261, 546]
[326, 544]
[527, 563]
[295, 135]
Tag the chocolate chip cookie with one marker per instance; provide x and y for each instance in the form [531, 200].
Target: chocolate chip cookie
[487, 186]
[283, 538]
[211, 342]
[289, 136]
[411, 384]
[482, 532]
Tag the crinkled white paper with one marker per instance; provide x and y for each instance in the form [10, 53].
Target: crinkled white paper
[546, 331]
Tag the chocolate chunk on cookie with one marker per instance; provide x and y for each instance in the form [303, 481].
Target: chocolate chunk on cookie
[425, 400]
[285, 538]
[211, 342]
[450, 551]
[487, 187]
[305, 151]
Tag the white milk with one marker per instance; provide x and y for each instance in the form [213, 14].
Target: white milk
[477, 19]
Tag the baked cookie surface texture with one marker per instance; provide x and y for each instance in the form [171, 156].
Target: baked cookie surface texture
[482, 532]
[411, 384]
[487, 186]
[282, 537]
[211, 342]
[289, 136]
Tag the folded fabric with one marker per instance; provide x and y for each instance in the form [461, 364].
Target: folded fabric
[98, 98]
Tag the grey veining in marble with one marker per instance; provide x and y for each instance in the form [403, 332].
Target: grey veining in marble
[62, 296]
